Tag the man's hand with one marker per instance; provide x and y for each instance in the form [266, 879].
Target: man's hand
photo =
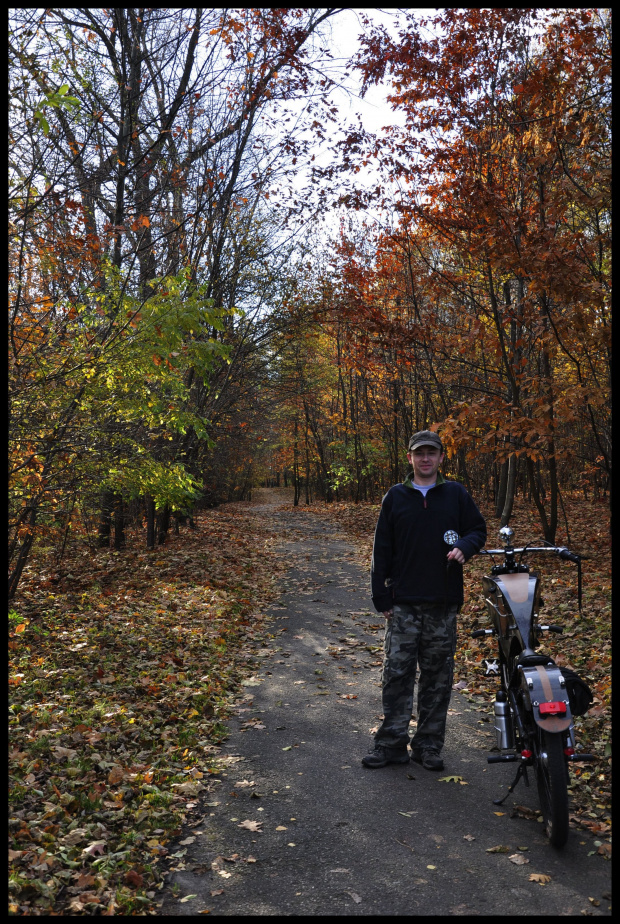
[388, 613]
[456, 555]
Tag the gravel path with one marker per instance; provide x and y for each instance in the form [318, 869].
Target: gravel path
[294, 825]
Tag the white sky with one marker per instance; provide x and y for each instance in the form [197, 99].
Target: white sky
[346, 27]
[374, 111]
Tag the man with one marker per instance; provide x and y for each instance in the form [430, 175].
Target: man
[417, 583]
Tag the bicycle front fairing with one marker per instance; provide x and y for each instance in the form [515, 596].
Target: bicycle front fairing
[512, 595]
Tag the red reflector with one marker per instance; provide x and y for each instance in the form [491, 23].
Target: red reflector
[552, 708]
[526, 753]
[569, 751]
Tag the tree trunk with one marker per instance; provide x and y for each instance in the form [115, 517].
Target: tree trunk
[509, 497]
[500, 500]
[307, 473]
[105, 519]
[295, 470]
[150, 523]
[119, 523]
[22, 557]
[549, 525]
[163, 524]
[463, 470]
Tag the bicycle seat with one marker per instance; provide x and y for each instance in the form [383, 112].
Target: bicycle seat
[532, 660]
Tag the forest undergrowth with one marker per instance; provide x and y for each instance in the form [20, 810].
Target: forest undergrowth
[124, 666]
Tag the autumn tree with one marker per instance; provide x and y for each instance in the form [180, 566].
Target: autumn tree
[158, 185]
[504, 187]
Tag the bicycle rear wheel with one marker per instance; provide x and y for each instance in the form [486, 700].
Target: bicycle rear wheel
[552, 780]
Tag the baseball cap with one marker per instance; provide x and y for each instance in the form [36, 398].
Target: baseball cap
[425, 438]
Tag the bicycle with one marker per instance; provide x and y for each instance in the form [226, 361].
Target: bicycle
[537, 701]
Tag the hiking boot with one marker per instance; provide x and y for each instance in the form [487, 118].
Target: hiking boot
[381, 756]
[429, 759]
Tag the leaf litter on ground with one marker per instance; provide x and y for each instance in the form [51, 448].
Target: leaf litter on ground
[125, 665]
[123, 670]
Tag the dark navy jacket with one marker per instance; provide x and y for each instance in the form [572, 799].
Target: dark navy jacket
[409, 552]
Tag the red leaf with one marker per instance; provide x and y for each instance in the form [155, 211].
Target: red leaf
[133, 879]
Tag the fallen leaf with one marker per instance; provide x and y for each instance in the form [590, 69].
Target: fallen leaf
[188, 789]
[518, 859]
[115, 775]
[250, 825]
[186, 898]
[94, 849]
[498, 849]
[540, 877]
[64, 752]
[356, 898]
[134, 879]
[188, 840]
[281, 828]
[84, 880]
[73, 837]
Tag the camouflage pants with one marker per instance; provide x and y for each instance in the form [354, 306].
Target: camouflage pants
[423, 635]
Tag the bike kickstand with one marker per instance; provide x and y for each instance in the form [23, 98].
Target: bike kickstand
[521, 772]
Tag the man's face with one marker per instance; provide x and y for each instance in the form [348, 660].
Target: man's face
[425, 461]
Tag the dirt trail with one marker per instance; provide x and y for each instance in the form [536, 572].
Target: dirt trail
[295, 825]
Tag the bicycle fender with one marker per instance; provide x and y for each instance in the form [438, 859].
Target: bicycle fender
[542, 685]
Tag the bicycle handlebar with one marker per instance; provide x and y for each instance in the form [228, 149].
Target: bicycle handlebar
[561, 551]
